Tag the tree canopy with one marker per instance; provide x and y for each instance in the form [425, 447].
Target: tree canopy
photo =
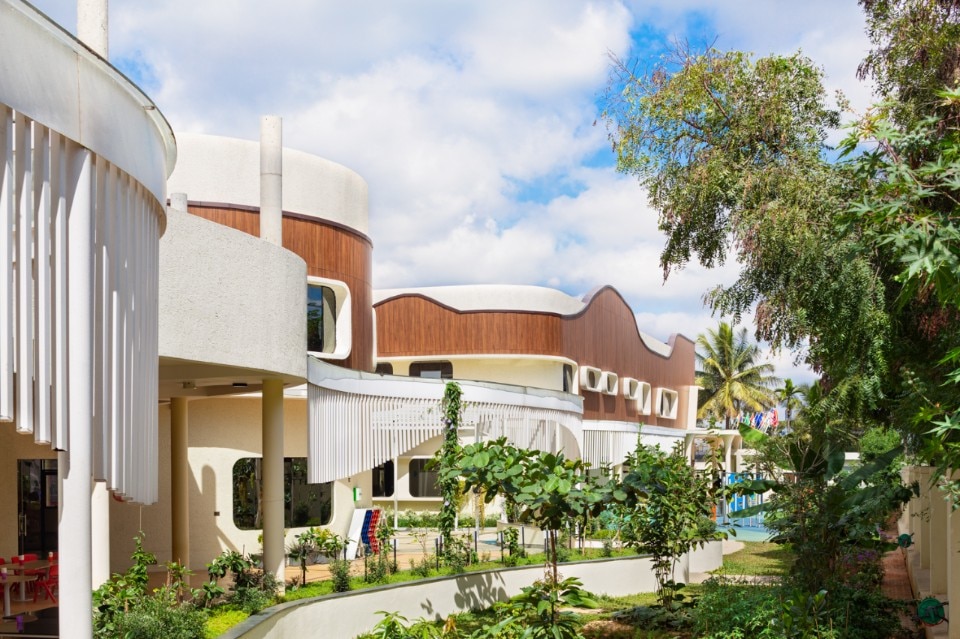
[853, 263]
[732, 378]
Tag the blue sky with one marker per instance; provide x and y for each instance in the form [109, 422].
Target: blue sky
[472, 122]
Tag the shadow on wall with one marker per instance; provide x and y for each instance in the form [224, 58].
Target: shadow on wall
[208, 506]
[473, 593]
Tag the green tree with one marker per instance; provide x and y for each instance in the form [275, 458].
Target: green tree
[446, 458]
[731, 377]
[819, 509]
[549, 489]
[664, 501]
[731, 153]
[789, 395]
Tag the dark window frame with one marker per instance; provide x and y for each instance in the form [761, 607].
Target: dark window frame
[421, 462]
[244, 507]
[382, 484]
[323, 334]
[445, 368]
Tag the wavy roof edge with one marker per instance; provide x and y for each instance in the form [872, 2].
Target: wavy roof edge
[517, 298]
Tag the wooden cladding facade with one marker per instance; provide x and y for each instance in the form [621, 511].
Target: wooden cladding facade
[331, 251]
[604, 335]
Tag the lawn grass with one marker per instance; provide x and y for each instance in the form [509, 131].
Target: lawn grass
[759, 558]
[325, 587]
[222, 620]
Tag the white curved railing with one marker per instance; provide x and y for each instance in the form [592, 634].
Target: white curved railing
[357, 421]
[83, 162]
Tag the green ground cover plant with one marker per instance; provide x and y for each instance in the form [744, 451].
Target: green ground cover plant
[759, 558]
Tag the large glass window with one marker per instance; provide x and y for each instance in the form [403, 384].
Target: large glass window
[423, 482]
[383, 480]
[303, 504]
[321, 319]
[436, 370]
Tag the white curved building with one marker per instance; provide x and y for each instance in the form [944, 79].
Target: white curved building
[290, 393]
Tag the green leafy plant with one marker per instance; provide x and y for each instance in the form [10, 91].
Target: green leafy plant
[664, 501]
[549, 489]
[805, 616]
[121, 593]
[340, 574]
[446, 460]
[539, 609]
[822, 511]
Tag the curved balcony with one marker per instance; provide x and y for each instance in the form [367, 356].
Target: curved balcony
[84, 157]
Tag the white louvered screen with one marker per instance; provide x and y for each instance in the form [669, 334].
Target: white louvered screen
[40, 172]
[353, 432]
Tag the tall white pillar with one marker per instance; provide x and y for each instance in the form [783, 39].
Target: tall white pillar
[272, 473]
[100, 534]
[271, 178]
[938, 541]
[75, 465]
[922, 538]
[179, 481]
[93, 25]
[953, 563]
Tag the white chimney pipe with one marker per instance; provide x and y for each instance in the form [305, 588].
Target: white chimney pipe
[92, 26]
[271, 178]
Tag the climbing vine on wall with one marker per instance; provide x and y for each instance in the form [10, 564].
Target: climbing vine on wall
[447, 457]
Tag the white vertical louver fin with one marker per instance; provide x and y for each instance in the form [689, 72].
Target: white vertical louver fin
[40, 175]
[23, 196]
[7, 299]
[42, 276]
[353, 432]
[61, 397]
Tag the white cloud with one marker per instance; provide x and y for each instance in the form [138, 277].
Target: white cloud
[456, 112]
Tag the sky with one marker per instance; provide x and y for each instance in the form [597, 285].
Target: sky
[475, 124]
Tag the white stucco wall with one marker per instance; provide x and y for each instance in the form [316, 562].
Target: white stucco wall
[227, 171]
[127, 519]
[229, 298]
[537, 372]
[349, 614]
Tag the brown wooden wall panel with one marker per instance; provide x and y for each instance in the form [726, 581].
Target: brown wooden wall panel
[413, 325]
[330, 251]
[604, 335]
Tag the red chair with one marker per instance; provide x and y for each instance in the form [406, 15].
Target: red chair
[49, 583]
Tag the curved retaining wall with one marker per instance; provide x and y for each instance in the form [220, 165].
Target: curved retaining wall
[346, 615]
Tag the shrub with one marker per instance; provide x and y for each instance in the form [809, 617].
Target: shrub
[862, 614]
[160, 617]
[731, 610]
[340, 574]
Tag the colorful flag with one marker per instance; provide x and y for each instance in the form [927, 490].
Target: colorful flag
[775, 419]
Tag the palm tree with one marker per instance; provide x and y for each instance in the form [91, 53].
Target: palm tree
[789, 395]
[730, 375]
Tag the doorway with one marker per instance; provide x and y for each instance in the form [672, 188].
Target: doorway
[37, 506]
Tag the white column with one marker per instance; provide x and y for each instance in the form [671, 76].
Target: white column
[76, 573]
[939, 550]
[272, 473]
[922, 538]
[688, 442]
[953, 563]
[100, 533]
[271, 174]
[179, 481]
[92, 25]
[905, 525]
